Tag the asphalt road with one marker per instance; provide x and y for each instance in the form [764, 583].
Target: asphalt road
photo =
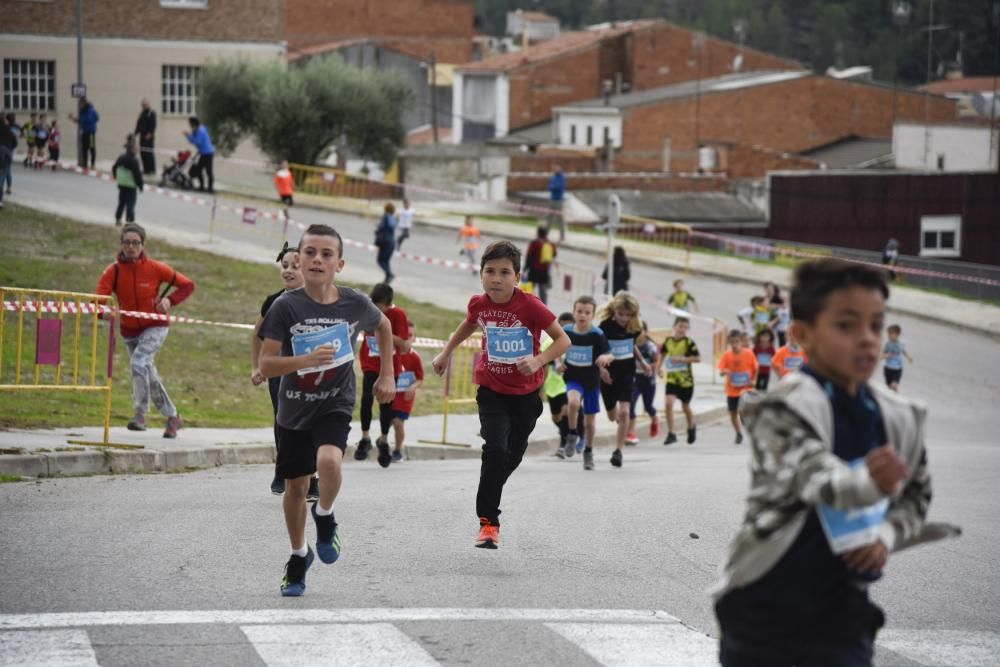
[410, 584]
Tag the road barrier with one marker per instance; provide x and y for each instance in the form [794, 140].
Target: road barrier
[664, 238]
[572, 281]
[78, 350]
[229, 214]
[459, 384]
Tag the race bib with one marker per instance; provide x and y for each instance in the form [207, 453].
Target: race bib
[622, 349]
[580, 355]
[508, 345]
[373, 350]
[793, 363]
[739, 379]
[676, 366]
[761, 317]
[405, 380]
[763, 359]
[849, 529]
[338, 336]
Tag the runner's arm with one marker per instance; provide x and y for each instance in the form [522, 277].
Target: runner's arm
[385, 385]
[272, 364]
[255, 350]
[464, 330]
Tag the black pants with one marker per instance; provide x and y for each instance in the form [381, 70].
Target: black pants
[384, 258]
[126, 203]
[367, 399]
[403, 235]
[88, 146]
[202, 169]
[505, 421]
[147, 155]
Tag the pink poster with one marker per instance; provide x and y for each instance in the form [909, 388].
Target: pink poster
[47, 342]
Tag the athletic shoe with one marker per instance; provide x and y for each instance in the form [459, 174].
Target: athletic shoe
[312, 494]
[572, 442]
[364, 446]
[579, 444]
[293, 584]
[561, 452]
[397, 456]
[616, 458]
[384, 457]
[739, 438]
[489, 535]
[588, 459]
[654, 427]
[327, 537]
[173, 423]
[671, 439]
[692, 435]
[631, 440]
[277, 486]
[137, 423]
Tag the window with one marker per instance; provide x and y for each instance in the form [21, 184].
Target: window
[572, 135]
[185, 4]
[941, 236]
[29, 85]
[590, 135]
[180, 90]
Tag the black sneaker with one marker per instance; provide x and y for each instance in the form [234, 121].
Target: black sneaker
[671, 439]
[327, 537]
[692, 434]
[313, 493]
[293, 584]
[364, 446]
[616, 458]
[384, 457]
[277, 486]
[739, 438]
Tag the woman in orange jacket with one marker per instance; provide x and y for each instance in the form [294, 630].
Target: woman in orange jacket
[136, 282]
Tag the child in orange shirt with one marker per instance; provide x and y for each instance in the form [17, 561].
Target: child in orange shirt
[283, 183]
[789, 358]
[739, 366]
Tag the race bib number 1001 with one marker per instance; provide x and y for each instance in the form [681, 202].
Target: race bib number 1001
[336, 336]
[508, 345]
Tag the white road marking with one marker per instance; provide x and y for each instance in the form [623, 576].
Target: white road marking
[638, 645]
[268, 616]
[47, 648]
[344, 645]
[944, 648]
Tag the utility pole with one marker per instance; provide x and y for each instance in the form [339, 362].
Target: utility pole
[699, 44]
[614, 215]
[81, 155]
[900, 18]
[927, 95]
[434, 106]
[994, 102]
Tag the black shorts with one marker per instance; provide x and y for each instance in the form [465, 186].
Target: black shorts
[619, 391]
[683, 394]
[557, 403]
[733, 403]
[287, 200]
[893, 375]
[297, 449]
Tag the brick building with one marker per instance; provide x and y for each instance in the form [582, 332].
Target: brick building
[503, 93]
[132, 49]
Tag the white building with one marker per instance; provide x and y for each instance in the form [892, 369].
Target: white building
[945, 147]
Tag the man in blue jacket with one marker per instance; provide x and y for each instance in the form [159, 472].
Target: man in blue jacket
[198, 137]
[87, 120]
[557, 193]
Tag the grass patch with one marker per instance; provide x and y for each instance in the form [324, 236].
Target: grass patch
[6, 479]
[206, 369]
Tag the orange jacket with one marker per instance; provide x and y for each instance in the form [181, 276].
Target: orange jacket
[283, 182]
[136, 285]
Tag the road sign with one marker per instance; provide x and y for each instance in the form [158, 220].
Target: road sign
[78, 89]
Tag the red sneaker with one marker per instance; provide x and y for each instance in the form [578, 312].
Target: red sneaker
[489, 535]
[654, 427]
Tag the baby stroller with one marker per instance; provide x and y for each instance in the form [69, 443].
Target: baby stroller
[176, 173]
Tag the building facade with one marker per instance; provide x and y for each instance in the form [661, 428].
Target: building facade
[946, 147]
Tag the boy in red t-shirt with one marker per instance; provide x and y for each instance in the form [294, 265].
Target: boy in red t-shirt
[381, 295]
[739, 366]
[411, 377]
[509, 373]
[763, 350]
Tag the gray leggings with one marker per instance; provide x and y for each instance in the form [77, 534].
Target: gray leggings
[146, 384]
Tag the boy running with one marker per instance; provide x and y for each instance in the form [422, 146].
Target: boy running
[128, 175]
[678, 353]
[588, 354]
[284, 184]
[644, 386]
[739, 366]
[410, 378]
[620, 322]
[509, 373]
[307, 342]
[789, 358]
[680, 299]
[839, 481]
[893, 352]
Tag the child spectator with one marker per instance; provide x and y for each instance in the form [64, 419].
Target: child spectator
[283, 183]
[406, 215]
[789, 357]
[679, 352]
[682, 300]
[509, 374]
[128, 175]
[41, 141]
[28, 132]
[763, 350]
[839, 480]
[55, 137]
[410, 379]
[739, 366]
[893, 353]
[645, 386]
[468, 236]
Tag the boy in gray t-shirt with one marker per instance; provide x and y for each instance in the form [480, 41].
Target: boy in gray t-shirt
[308, 339]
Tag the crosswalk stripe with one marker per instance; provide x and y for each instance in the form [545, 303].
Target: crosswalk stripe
[46, 648]
[638, 645]
[344, 645]
[944, 648]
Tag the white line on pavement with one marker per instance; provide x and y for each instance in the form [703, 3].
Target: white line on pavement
[641, 645]
[944, 648]
[344, 645]
[65, 648]
[388, 615]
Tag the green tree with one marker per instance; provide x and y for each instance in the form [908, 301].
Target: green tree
[294, 114]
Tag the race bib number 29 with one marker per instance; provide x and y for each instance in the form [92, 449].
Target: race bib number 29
[508, 345]
[337, 336]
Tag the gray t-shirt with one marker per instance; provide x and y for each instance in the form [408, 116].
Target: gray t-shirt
[302, 399]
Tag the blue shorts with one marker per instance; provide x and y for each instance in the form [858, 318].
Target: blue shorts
[402, 416]
[591, 397]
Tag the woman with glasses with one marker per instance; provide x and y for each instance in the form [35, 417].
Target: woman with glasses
[141, 284]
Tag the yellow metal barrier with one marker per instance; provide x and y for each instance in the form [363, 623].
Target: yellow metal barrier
[572, 281]
[78, 351]
[720, 341]
[350, 190]
[657, 234]
[459, 384]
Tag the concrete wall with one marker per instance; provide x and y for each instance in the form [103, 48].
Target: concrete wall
[449, 171]
[960, 148]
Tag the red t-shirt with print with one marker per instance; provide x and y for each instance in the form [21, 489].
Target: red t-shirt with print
[523, 310]
[409, 362]
[371, 363]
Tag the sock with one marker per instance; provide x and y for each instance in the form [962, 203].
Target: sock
[300, 552]
[322, 512]
[588, 449]
[563, 426]
[572, 431]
